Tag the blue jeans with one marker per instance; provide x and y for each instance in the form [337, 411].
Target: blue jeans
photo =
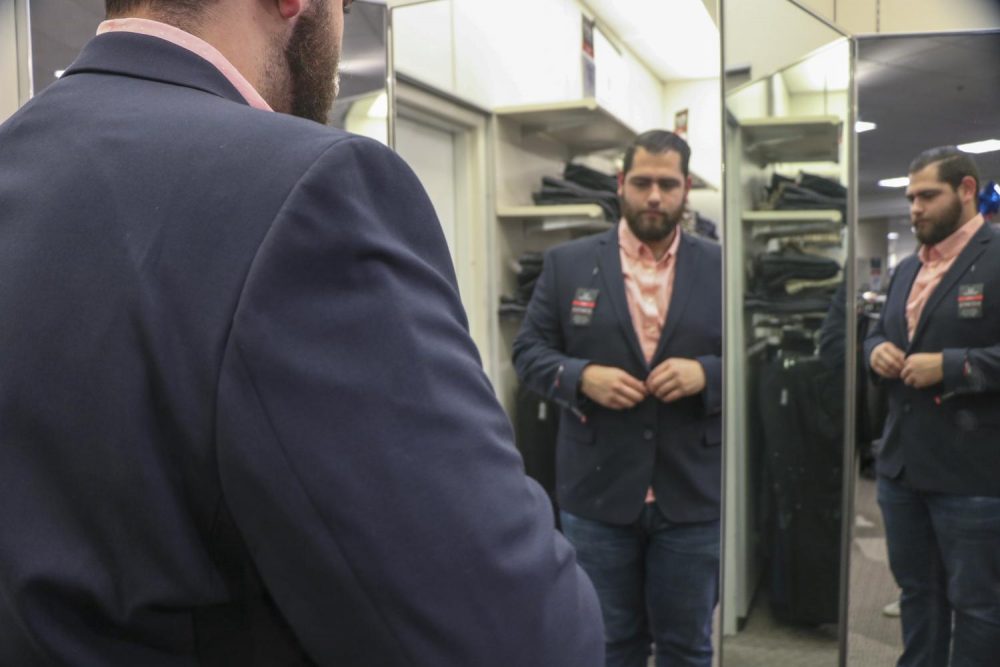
[944, 552]
[658, 583]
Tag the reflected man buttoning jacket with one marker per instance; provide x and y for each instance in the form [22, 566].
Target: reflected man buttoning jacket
[937, 347]
[624, 332]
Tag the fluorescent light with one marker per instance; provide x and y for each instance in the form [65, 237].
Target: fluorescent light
[987, 146]
[892, 236]
[864, 126]
[900, 182]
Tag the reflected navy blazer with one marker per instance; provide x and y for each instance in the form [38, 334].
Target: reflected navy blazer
[946, 438]
[607, 459]
[241, 419]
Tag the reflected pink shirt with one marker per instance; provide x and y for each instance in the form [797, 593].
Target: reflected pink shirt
[194, 44]
[936, 260]
[649, 284]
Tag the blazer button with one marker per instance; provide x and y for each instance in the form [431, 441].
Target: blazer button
[907, 408]
[648, 434]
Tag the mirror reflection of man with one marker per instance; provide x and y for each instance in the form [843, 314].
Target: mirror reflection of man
[937, 346]
[624, 331]
[242, 421]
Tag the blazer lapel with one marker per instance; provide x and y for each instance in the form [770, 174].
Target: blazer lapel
[895, 312]
[965, 259]
[609, 262]
[685, 265]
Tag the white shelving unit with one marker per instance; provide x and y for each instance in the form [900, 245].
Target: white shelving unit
[530, 142]
[792, 139]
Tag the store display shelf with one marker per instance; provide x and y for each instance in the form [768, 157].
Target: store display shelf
[792, 139]
[583, 126]
[832, 216]
[557, 217]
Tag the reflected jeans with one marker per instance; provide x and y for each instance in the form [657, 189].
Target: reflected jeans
[944, 552]
[658, 582]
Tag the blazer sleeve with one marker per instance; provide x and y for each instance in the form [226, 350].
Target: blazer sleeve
[538, 347]
[363, 453]
[971, 370]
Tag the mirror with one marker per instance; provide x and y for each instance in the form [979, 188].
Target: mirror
[914, 92]
[561, 83]
[788, 157]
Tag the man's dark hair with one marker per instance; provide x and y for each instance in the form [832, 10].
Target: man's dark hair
[177, 10]
[953, 165]
[656, 142]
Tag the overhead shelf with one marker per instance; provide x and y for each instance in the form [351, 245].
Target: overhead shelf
[557, 217]
[583, 126]
[792, 139]
[819, 215]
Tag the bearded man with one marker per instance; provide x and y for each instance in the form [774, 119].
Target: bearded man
[624, 330]
[242, 421]
[937, 347]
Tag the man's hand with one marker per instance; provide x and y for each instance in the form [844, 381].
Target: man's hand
[923, 370]
[611, 387]
[676, 378]
[887, 360]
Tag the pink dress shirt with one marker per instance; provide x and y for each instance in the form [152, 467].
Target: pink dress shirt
[936, 260]
[194, 44]
[649, 284]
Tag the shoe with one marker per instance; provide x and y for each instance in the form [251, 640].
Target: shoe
[891, 610]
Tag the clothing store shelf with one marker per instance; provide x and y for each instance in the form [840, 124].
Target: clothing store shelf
[582, 126]
[557, 217]
[792, 139]
[832, 216]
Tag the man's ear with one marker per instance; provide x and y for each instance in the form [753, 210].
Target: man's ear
[967, 189]
[621, 183]
[289, 9]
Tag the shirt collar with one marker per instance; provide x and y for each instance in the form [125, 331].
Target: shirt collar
[194, 44]
[633, 247]
[949, 248]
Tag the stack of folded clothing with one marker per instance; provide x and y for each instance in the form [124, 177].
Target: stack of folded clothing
[529, 267]
[792, 281]
[581, 184]
[807, 192]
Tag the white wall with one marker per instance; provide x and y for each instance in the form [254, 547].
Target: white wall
[498, 53]
[702, 99]
[769, 35]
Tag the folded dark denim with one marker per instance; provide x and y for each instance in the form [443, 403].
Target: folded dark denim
[798, 303]
[590, 178]
[558, 191]
[773, 270]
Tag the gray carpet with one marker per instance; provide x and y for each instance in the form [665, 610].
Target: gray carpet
[873, 639]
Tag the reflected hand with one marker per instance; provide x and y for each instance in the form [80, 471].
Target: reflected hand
[923, 370]
[676, 378]
[611, 387]
[887, 360]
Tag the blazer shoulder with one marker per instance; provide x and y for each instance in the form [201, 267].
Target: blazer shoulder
[579, 247]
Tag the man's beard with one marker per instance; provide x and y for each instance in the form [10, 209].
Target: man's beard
[943, 227]
[313, 57]
[650, 228]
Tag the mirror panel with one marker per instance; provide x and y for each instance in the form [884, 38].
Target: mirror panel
[787, 243]
[919, 91]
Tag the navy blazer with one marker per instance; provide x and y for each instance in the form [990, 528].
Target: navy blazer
[607, 459]
[946, 438]
[242, 421]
